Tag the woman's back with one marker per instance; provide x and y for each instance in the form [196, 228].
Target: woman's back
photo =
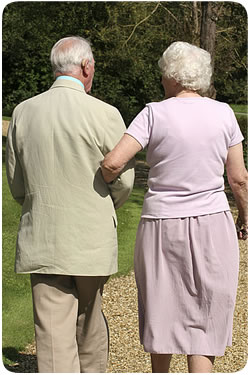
[187, 141]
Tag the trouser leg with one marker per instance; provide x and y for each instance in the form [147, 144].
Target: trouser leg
[92, 329]
[55, 306]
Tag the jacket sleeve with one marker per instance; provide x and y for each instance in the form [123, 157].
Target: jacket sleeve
[122, 186]
[13, 165]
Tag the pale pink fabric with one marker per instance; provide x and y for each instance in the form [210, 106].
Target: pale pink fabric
[186, 272]
[186, 256]
[187, 143]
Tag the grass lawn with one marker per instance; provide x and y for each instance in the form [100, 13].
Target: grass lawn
[128, 219]
[17, 325]
[240, 108]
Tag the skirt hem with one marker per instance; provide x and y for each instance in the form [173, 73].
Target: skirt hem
[186, 352]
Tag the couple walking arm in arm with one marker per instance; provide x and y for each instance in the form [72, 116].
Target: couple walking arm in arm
[70, 166]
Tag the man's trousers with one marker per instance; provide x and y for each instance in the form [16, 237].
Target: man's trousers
[70, 327]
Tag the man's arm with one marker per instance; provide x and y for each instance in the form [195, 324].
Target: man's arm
[121, 187]
[13, 166]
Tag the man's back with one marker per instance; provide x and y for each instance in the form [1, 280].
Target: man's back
[67, 238]
[68, 223]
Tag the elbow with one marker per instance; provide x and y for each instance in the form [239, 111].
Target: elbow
[239, 182]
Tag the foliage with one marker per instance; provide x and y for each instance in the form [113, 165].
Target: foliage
[231, 55]
[243, 123]
[127, 39]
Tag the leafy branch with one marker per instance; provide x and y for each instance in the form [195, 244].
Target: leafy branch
[139, 23]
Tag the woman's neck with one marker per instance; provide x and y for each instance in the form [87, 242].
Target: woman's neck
[187, 94]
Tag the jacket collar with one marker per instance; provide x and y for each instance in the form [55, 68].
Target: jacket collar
[67, 83]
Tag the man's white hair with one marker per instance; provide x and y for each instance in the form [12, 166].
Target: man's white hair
[188, 65]
[68, 53]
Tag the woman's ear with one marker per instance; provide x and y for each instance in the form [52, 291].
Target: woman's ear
[174, 82]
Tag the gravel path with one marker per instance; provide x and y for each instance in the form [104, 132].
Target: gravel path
[126, 353]
[5, 125]
[120, 308]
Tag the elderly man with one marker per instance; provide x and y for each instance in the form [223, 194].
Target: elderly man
[67, 237]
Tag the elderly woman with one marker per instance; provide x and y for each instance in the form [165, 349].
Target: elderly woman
[186, 253]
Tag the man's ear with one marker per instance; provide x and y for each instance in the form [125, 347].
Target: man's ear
[84, 66]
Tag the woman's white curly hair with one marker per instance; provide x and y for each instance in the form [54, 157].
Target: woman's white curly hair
[188, 65]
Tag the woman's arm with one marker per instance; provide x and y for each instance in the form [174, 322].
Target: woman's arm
[115, 161]
[238, 179]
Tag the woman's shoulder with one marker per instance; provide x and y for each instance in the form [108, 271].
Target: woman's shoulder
[217, 103]
[160, 104]
[205, 102]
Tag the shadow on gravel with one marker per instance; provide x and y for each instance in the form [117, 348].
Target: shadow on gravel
[23, 362]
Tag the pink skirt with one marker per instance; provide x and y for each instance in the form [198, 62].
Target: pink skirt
[187, 274]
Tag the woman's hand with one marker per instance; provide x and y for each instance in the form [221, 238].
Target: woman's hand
[241, 229]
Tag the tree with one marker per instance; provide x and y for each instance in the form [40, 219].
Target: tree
[128, 38]
[231, 54]
[210, 14]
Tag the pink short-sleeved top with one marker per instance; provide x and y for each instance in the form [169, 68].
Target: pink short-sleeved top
[187, 142]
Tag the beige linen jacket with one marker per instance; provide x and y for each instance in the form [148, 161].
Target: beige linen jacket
[56, 141]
